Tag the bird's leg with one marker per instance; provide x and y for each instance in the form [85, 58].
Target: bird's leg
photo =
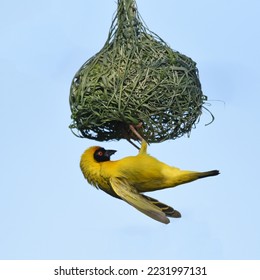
[143, 149]
[144, 143]
[132, 128]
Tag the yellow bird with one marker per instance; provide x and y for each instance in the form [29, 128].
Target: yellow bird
[129, 177]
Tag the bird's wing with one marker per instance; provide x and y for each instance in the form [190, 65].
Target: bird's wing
[130, 195]
[168, 210]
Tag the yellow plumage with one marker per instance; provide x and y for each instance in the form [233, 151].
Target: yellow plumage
[129, 177]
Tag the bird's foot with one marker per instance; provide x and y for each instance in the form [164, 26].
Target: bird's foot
[143, 147]
[133, 129]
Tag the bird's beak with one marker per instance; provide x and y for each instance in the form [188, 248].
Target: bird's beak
[109, 153]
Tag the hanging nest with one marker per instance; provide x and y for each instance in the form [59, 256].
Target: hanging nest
[136, 80]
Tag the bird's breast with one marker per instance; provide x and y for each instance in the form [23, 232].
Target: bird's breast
[143, 172]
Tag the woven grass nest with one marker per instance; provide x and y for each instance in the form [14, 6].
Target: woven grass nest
[136, 86]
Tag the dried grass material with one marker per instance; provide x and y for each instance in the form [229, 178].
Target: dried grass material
[135, 78]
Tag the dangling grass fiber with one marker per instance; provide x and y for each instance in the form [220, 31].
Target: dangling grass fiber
[135, 79]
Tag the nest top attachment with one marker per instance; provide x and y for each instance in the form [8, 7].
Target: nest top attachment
[135, 80]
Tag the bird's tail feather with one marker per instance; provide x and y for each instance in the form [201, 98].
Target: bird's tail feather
[208, 173]
[167, 210]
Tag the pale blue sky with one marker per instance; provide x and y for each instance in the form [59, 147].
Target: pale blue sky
[47, 209]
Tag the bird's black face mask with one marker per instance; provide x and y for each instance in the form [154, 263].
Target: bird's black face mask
[101, 154]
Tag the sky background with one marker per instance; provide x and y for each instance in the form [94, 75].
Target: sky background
[48, 210]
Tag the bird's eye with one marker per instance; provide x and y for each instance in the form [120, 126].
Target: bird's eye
[100, 153]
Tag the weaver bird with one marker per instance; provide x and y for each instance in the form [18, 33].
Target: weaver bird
[129, 177]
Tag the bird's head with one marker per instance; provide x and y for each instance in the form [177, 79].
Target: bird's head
[90, 163]
[98, 154]
[101, 154]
